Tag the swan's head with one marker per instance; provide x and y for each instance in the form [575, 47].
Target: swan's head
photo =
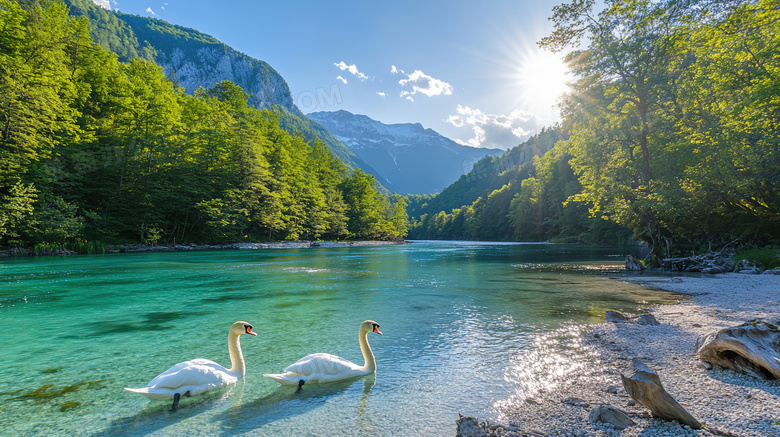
[240, 328]
[370, 326]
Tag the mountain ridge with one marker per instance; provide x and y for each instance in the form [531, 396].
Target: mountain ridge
[413, 159]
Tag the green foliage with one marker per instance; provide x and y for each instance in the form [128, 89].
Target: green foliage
[525, 202]
[80, 247]
[108, 30]
[670, 132]
[365, 206]
[98, 150]
[670, 116]
[15, 208]
[766, 257]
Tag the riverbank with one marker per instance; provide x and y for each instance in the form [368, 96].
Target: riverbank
[726, 401]
[142, 248]
[251, 246]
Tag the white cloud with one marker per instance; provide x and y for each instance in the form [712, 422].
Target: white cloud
[395, 70]
[424, 84]
[341, 78]
[381, 94]
[150, 11]
[495, 130]
[103, 4]
[352, 68]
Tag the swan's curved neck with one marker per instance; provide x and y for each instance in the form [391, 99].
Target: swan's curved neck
[236, 357]
[368, 355]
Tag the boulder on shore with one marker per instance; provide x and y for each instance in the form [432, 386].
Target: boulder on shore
[752, 348]
[633, 264]
[611, 415]
[472, 427]
[615, 317]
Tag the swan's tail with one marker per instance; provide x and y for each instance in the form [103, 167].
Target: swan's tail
[142, 391]
[153, 394]
[282, 378]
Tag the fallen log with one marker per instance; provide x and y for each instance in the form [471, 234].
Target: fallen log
[752, 348]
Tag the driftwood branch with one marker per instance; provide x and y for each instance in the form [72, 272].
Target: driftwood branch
[752, 348]
[645, 386]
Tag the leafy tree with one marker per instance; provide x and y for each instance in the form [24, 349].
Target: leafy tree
[35, 97]
[365, 206]
[622, 103]
[15, 208]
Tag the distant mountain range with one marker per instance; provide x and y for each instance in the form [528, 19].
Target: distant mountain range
[404, 158]
[412, 159]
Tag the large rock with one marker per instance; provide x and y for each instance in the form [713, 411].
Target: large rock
[473, 427]
[645, 386]
[611, 415]
[470, 427]
[615, 317]
[752, 348]
[633, 264]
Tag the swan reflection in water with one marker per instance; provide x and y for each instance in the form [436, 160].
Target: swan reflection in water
[230, 412]
[285, 403]
[155, 416]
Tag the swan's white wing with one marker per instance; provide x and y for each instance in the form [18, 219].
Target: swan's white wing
[318, 368]
[199, 374]
[322, 364]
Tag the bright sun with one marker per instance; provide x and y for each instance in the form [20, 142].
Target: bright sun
[543, 78]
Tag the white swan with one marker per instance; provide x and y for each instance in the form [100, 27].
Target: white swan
[193, 377]
[326, 367]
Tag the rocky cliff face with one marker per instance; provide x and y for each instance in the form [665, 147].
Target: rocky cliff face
[209, 65]
[412, 159]
[192, 59]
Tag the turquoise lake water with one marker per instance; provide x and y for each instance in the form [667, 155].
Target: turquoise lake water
[467, 328]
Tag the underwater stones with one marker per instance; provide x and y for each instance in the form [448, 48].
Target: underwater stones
[646, 319]
[618, 317]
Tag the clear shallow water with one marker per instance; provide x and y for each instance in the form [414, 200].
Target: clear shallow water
[467, 327]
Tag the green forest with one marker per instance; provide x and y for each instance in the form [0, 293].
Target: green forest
[669, 135]
[96, 151]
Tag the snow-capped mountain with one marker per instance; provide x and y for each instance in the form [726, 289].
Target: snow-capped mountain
[410, 158]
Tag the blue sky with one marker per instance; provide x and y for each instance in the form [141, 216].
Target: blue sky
[470, 70]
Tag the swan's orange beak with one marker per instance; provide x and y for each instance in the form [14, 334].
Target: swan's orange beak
[376, 329]
[249, 331]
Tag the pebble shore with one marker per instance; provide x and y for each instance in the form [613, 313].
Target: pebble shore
[726, 402]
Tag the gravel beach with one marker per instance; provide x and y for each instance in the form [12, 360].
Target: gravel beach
[726, 402]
